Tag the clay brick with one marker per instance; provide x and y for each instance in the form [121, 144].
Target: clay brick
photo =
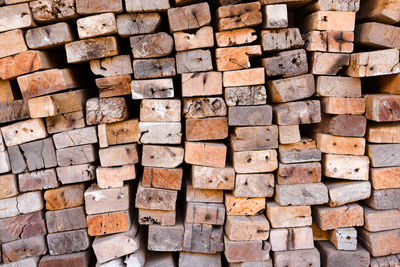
[64, 197]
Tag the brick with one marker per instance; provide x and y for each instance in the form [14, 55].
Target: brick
[205, 213]
[64, 197]
[290, 216]
[66, 219]
[348, 215]
[68, 242]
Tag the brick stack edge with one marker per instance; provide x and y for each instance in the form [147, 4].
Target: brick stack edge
[199, 133]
